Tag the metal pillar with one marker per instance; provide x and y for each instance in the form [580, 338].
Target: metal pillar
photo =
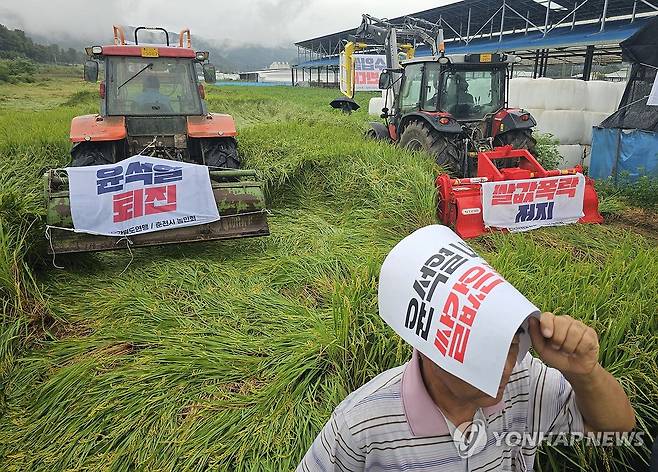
[544, 66]
[634, 11]
[534, 73]
[468, 28]
[589, 61]
[548, 15]
[573, 22]
[605, 13]
[502, 22]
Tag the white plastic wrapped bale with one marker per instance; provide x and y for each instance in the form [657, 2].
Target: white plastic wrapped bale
[592, 118]
[566, 94]
[572, 155]
[518, 89]
[529, 93]
[604, 97]
[568, 126]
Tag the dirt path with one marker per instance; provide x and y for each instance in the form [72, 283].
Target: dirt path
[639, 220]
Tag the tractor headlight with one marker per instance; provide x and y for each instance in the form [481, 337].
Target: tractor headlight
[202, 56]
[443, 60]
[96, 50]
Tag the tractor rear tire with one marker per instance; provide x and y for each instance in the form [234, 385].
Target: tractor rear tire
[221, 152]
[91, 154]
[518, 138]
[444, 147]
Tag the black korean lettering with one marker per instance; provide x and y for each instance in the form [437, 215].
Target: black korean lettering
[464, 248]
[424, 321]
[412, 314]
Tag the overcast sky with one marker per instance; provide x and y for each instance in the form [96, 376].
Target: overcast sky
[264, 22]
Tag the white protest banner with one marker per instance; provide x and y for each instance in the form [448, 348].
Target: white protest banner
[367, 69]
[140, 195]
[449, 304]
[522, 205]
[653, 96]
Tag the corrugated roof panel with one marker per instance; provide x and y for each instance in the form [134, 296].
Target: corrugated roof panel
[581, 35]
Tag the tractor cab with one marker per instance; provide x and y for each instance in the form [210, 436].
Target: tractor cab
[467, 91]
[440, 102]
[467, 87]
[152, 102]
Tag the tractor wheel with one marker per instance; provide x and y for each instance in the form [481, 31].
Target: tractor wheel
[221, 152]
[91, 154]
[518, 138]
[420, 137]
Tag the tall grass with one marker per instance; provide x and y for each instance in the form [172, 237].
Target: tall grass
[231, 356]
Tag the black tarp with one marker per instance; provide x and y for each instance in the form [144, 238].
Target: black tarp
[642, 50]
[642, 47]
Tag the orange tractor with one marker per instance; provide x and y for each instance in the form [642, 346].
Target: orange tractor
[153, 104]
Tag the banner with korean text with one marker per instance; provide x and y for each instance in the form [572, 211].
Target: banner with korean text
[453, 307]
[367, 69]
[140, 195]
[523, 205]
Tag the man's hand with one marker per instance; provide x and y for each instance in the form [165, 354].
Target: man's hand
[565, 344]
[573, 348]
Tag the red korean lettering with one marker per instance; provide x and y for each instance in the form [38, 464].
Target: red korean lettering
[160, 199]
[567, 186]
[502, 194]
[526, 192]
[128, 205]
[468, 314]
[442, 340]
[451, 306]
[546, 189]
[459, 342]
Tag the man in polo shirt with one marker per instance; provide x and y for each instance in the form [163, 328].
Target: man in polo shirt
[419, 417]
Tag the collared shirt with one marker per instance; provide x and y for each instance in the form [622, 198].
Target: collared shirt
[392, 424]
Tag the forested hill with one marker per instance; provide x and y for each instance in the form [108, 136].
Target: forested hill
[227, 57]
[16, 44]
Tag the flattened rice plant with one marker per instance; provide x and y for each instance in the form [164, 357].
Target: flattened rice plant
[231, 356]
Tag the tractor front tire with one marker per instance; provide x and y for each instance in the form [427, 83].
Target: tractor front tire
[418, 136]
[221, 152]
[91, 154]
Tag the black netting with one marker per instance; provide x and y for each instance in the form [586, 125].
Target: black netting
[642, 47]
[634, 113]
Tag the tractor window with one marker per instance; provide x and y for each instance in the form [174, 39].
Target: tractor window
[472, 94]
[165, 86]
[432, 86]
[410, 90]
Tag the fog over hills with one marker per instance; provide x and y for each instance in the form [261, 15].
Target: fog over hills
[226, 57]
